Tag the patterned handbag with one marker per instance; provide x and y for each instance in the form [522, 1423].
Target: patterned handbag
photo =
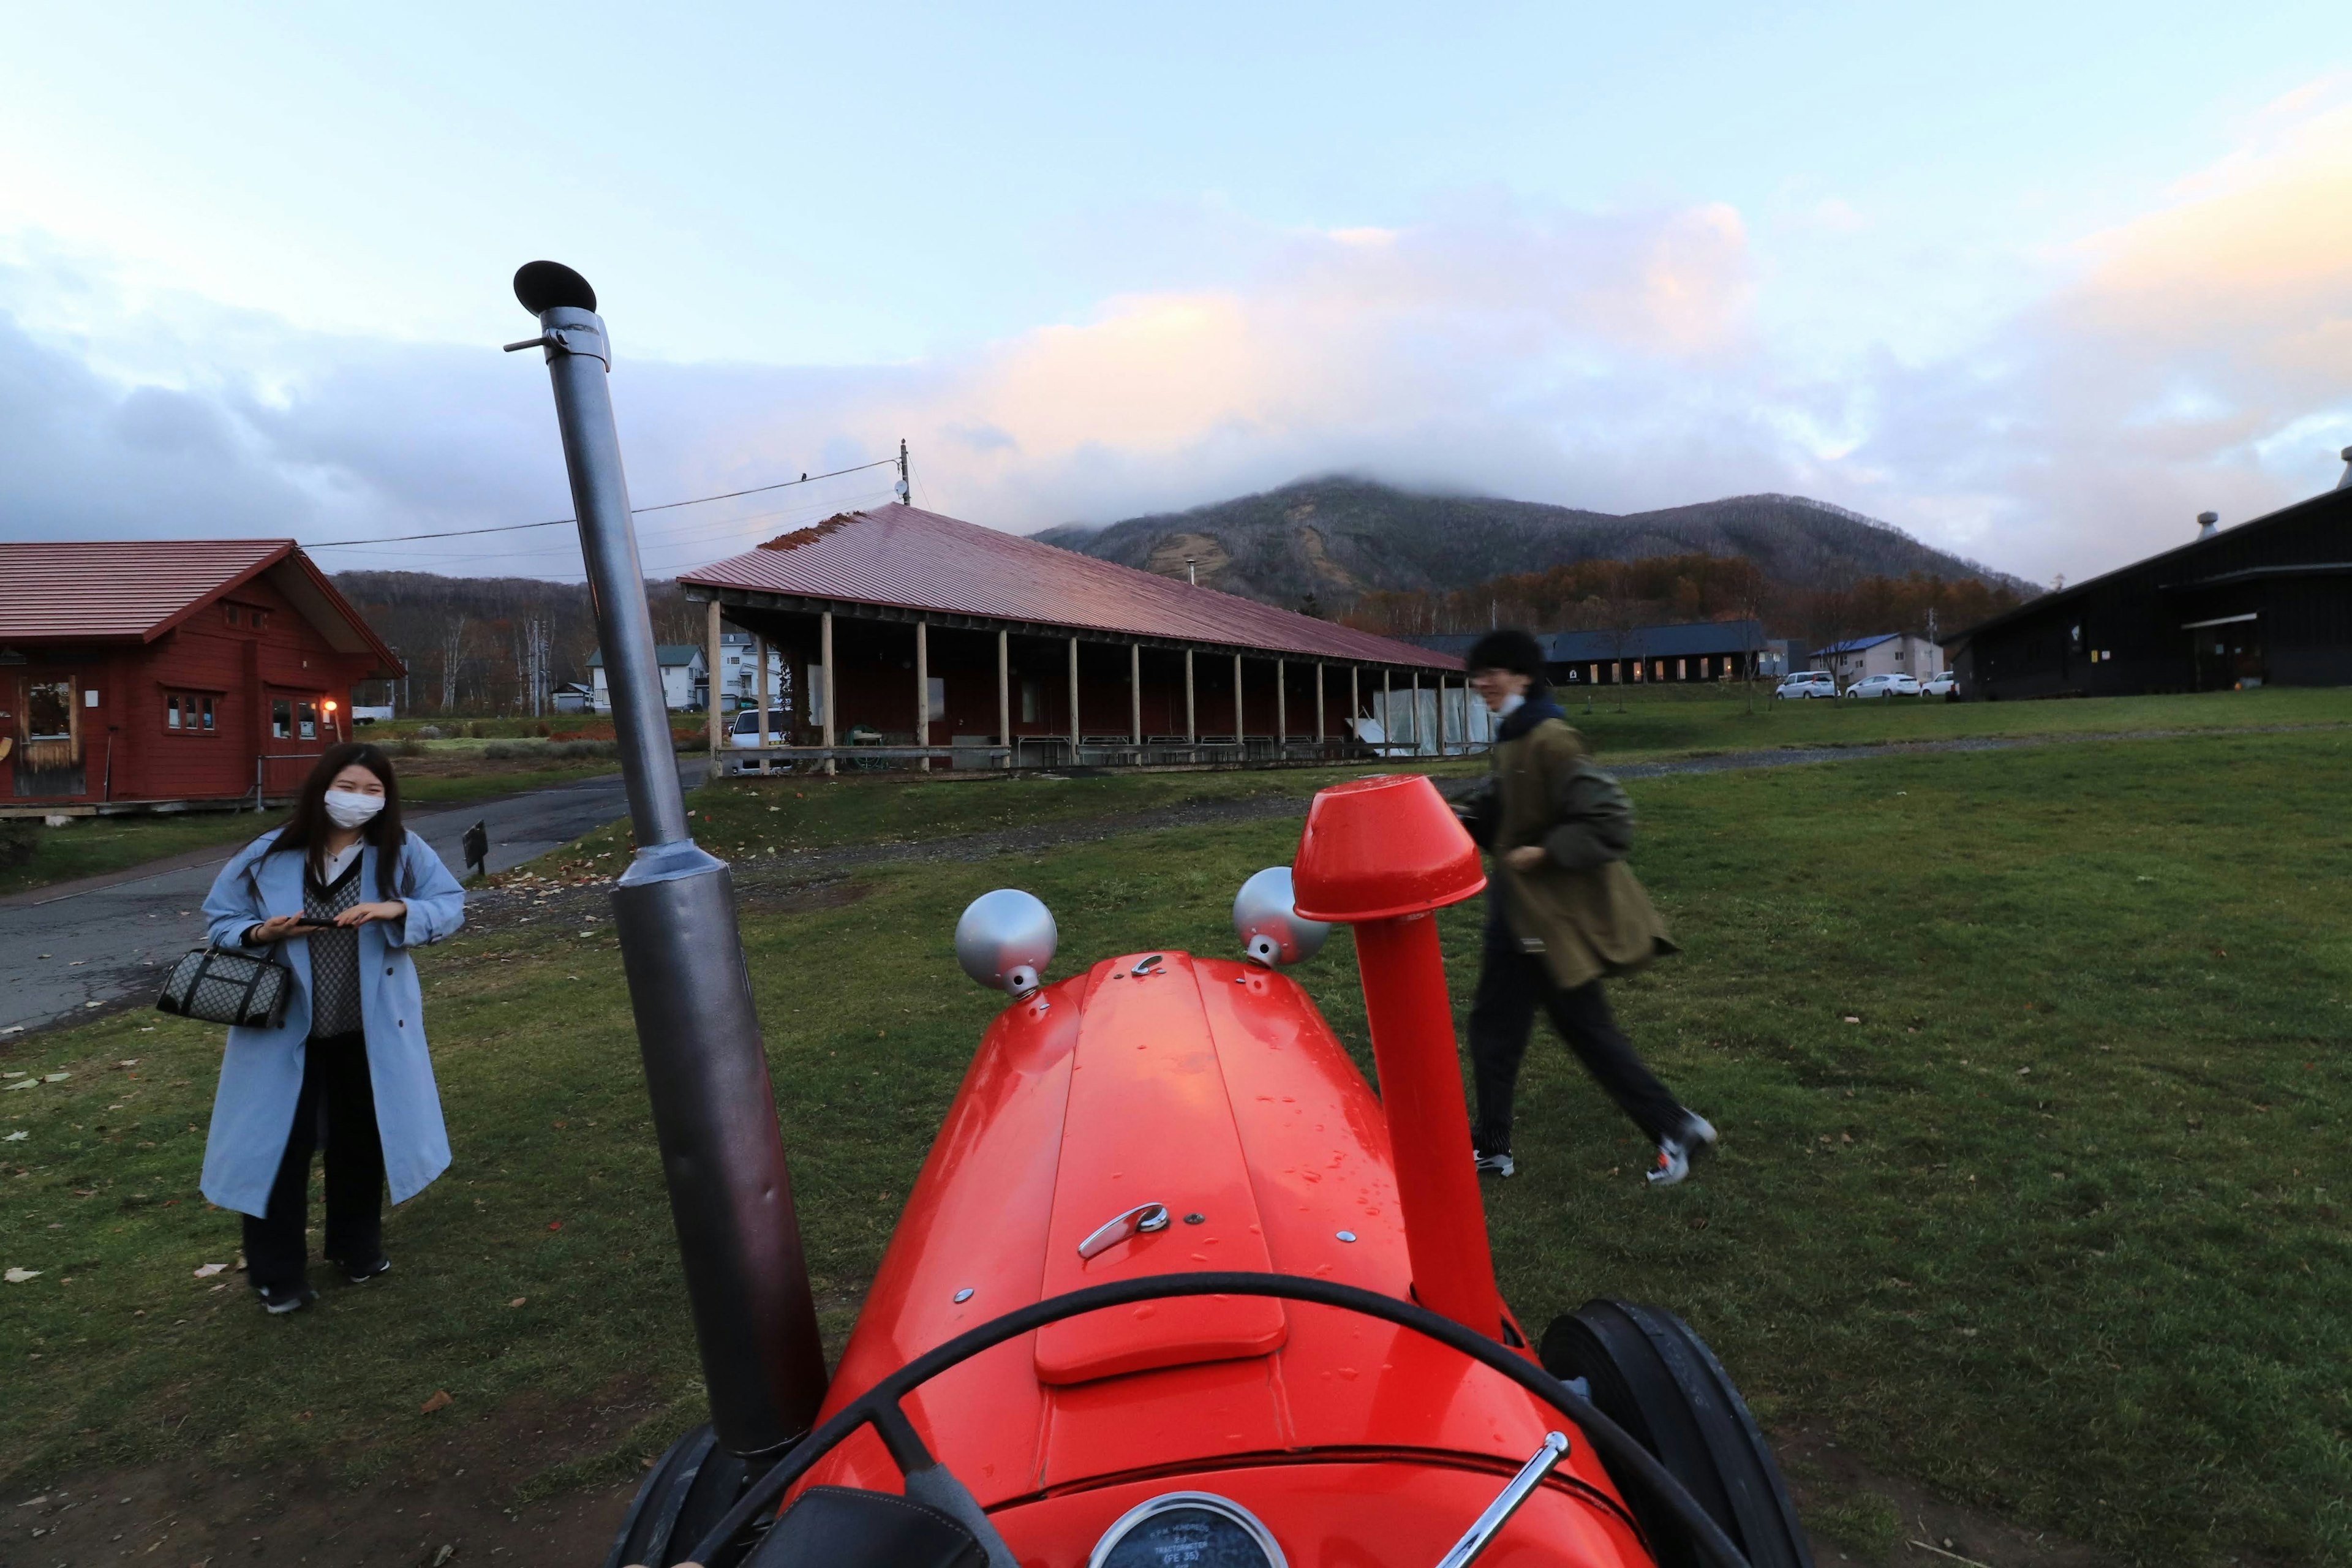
[222, 985]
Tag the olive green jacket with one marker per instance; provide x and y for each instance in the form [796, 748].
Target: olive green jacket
[1581, 907]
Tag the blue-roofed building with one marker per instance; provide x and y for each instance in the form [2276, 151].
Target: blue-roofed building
[1888, 653]
[1698, 650]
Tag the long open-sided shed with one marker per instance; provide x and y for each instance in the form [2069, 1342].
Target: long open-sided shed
[916, 636]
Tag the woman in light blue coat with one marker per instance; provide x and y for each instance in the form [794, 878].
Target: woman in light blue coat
[342, 891]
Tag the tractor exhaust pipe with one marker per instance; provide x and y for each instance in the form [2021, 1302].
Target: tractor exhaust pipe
[706, 1068]
[1384, 855]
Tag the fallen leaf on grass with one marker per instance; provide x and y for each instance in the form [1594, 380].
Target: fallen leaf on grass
[15, 1137]
[24, 1083]
[55, 1077]
[556, 1224]
[128, 1062]
[208, 1270]
[518, 1301]
[440, 1400]
[1853, 1020]
[18, 1276]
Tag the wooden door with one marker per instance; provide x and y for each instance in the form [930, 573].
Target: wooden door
[48, 753]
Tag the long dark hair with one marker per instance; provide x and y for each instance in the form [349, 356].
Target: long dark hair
[308, 829]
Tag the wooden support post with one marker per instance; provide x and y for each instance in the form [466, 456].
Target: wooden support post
[1135, 691]
[1321, 732]
[1388, 716]
[1441, 712]
[923, 691]
[1004, 695]
[1240, 737]
[832, 719]
[1074, 731]
[714, 686]
[1416, 711]
[759, 652]
[1191, 720]
[1281, 708]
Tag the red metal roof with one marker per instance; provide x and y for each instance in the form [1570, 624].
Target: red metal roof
[905, 558]
[136, 590]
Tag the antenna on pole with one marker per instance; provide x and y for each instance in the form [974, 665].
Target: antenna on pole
[904, 491]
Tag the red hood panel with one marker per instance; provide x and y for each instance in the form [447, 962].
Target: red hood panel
[1150, 1121]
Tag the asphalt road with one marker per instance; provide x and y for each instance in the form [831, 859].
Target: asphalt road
[78, 947]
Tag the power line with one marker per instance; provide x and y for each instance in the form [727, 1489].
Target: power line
[562, 521]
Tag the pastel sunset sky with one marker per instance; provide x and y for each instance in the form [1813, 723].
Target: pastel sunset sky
[2034, 282]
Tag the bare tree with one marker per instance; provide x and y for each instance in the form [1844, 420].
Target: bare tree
[453, 656]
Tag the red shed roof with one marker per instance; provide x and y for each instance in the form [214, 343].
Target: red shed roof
[110, 591]
[905, 558]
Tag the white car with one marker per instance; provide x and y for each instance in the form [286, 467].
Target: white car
[745, 732]
[1808, 683]
[1943, 684]
[1871, 686]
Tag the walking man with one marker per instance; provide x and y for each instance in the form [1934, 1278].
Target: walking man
[1563, 912]
[477, 845]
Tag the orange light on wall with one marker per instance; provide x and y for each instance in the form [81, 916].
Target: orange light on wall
[331, 705]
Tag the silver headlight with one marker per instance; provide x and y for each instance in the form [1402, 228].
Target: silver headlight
[1266, 918]
[1005, 940]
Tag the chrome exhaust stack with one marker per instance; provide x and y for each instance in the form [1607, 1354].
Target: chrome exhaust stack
[706, 1068]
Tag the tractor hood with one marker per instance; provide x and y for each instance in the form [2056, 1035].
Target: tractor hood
[1215, 1091]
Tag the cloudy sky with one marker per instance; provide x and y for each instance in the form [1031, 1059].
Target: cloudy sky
[2036, 282]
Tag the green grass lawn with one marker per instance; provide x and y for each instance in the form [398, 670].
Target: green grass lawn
[2054, 1226]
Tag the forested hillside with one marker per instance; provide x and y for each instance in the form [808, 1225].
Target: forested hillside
[1393, 559]
[481, 644]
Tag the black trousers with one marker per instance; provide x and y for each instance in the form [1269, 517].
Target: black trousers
[1511, 985]
[338, 1099]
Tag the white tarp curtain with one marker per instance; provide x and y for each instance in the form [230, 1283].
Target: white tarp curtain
[1413, 726]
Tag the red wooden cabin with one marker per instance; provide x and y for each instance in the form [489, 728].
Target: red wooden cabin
[156, 673]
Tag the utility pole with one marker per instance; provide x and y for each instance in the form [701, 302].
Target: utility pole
[905, 489]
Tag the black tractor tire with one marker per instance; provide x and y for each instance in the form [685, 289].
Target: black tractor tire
[685, 1493]
[1653, 1376]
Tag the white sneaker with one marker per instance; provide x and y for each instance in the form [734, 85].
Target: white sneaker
[1676, 1153]
[1494, 1165]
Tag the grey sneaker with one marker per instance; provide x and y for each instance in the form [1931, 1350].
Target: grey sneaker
[361, 1272]
[1676, 1150]
[280, 1300]
[1494, 1165]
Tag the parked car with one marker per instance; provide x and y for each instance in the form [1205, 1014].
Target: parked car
[1808, 683]
[1943, 684]
[1871, 686]
[745, 732]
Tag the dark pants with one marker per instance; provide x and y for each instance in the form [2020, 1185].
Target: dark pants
[1511, 984]
[337, 1095]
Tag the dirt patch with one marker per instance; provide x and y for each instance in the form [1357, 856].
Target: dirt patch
[467, 1496]
[1856, 1514]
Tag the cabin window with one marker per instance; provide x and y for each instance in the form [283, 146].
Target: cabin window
[281, 718]
[235, 616]
[189, 713]
[1033, 702]
[48, 711]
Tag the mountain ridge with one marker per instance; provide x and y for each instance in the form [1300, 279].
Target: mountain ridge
[1335, 538]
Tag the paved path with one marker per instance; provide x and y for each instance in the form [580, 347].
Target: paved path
[81, 946]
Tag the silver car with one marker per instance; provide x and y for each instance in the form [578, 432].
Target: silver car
[1806, 684]
[1943, 684]
[1897, 684]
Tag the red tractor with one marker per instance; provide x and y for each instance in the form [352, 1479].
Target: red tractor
[1175, 1289]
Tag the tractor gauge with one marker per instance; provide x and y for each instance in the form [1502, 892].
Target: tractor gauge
[1197, 1530]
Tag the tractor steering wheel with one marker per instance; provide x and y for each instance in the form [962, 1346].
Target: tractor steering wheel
[928, 1481]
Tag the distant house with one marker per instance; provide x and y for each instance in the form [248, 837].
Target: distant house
[738, 673]
[1888, 653]
[1697, 650]
[685, 674]
[572, 698]
[143, 674]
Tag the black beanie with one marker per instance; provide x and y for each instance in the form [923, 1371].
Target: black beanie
[1512, 650]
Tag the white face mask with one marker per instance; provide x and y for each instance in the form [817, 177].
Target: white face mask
[350, 808]
[1512, 704]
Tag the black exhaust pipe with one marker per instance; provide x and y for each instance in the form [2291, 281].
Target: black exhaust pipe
[706, 1069]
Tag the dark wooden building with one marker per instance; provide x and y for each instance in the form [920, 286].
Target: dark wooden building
[153, 674]
[1675, 654]
[2268, 602]
[906, 630]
